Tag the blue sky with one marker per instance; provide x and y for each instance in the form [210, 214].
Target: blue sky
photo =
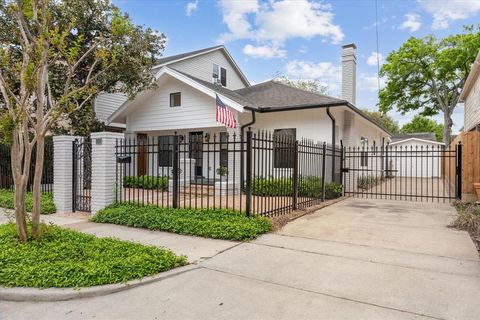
[303, 38]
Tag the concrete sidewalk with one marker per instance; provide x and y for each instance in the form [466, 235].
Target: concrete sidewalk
[357, 259]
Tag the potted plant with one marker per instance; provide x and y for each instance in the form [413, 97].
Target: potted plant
[222, 171]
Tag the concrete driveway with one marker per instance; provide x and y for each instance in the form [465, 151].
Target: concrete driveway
[357, 259]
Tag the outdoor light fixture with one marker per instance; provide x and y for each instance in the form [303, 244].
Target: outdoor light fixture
[207, 137]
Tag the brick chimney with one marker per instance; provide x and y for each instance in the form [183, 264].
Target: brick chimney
[349, 72]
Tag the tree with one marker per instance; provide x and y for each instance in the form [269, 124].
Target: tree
[427, 74]
[423, 124]
[55, 57]
[312, 85]
[384, 120]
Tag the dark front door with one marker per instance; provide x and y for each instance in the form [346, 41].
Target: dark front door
[142, 145]
[196, 151]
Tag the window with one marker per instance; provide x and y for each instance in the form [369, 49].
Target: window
[223, 149]
[219, 75]
[175, 99]
[165, 151]
[283, 147]
[364, 152]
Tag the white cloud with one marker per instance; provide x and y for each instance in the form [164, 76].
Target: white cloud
[412, 22]
[370, 82]
[275, 22]
[264, 51]
[445, 12]
[191, 7]
[326, 73]
[372, 59]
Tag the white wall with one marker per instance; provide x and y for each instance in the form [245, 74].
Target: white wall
[416, 159]
[197, 110]
[202, 68]
[472, 106]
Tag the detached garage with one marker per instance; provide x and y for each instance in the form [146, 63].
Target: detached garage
[415, 155]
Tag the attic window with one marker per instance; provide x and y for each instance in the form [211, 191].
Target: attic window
[175, 99]
[219, 75]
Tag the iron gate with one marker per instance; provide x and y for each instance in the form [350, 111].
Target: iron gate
[82, 175]
[411, 173]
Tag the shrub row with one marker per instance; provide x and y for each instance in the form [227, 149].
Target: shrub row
[213, 223]
[65, 258]
[368, 181]
[146, 182]
[309, 186]
[7, 200]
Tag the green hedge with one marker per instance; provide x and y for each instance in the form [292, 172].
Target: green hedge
[65, 258]
[309, 186]
[146, 182]
[213, 223]
[7, 200]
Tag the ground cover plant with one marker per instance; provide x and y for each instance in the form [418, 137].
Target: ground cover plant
[7, 200]
[146, 182]
[65, 258]
[211, 223]
[468, 218]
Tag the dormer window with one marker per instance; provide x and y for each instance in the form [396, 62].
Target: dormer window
[219, 75]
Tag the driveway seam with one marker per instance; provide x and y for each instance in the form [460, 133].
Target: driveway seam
[323, 294]
[363, 260]
[376, 247]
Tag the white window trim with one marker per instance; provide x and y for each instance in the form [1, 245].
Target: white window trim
[219, 79]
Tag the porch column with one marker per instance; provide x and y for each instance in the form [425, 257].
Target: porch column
[104, 169]
[63, 172]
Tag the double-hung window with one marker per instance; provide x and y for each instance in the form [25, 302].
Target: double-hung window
[165, 151]
[283, 147]
[364, 152]
[219, 75]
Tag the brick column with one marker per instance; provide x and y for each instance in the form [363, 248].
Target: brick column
[63, 172]
[103, 169]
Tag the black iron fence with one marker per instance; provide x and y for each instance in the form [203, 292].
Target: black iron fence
[408, 172]
[258, 174]
[6, 177]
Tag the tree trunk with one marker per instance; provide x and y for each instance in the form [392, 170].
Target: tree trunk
[37, 185]
[447, 128]
[17, 157]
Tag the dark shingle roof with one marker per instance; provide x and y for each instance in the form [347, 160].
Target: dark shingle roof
[273, 95]
[184, 55]
[418, 135]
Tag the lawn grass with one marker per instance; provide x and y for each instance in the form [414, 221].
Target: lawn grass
[66, 258]
[7, 200]
[213, 223]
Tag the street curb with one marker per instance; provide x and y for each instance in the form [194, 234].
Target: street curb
[63, 294]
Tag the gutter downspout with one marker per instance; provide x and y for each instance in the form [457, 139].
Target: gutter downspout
[333, 142]
[242, 153]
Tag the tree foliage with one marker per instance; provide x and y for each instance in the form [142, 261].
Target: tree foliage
[384, 120]
[423, 124]
[427, 75]
[311, 85]
[55, 57]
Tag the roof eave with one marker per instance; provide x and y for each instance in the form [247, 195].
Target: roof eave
[472, 77]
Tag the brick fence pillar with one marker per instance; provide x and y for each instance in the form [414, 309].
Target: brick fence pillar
[63, 172]
[103, 169]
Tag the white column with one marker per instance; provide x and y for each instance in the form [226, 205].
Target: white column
[103, 169]
[63, 172]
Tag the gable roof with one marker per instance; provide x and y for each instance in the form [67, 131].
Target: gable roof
[427, 136]
[182, 56]
[417, 140]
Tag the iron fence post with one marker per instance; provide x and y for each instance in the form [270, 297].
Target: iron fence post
[295, 176]
[324, 154]
[175, 172]
[249, 171]
[458, 171]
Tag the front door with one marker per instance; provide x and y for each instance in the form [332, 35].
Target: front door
[142, 154]
[196, 151]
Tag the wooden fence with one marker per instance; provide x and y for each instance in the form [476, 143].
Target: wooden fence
[470, 163]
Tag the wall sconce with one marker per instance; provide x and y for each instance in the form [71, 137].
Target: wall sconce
[181, 138]
[207, 137]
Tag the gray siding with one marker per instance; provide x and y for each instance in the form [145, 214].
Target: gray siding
[107, 103]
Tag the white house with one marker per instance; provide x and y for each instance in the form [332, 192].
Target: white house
[184, 102]
[471, 97]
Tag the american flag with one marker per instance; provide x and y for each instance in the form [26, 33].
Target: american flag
[224, 115]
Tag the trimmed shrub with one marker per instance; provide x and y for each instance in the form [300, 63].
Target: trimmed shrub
[64, 258]
[333, 190]
[7, 200]
[213, 223]
[146, 182]
[308, 186]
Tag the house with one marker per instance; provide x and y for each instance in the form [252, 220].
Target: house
[183, 102]
[471, 97]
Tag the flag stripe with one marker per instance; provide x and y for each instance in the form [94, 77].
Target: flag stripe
[223, 115]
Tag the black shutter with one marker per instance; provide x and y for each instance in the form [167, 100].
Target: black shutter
[223, 76]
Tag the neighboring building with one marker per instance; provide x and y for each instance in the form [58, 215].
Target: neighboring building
[184, 102]
[429, 136]
[471, 97]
